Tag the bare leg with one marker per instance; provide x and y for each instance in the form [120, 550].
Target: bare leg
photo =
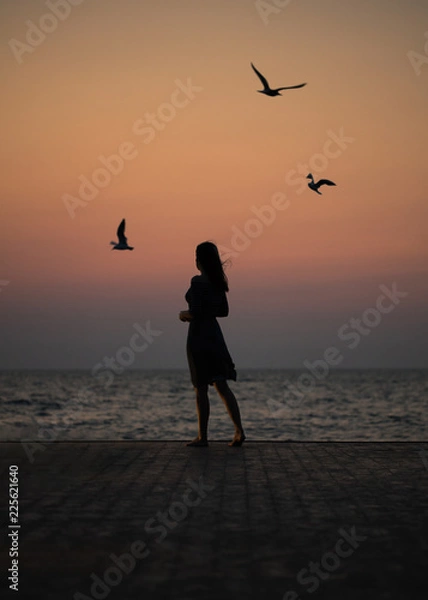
[232, 407]
[203, 410]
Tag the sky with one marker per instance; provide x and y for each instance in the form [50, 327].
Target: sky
[150, 112]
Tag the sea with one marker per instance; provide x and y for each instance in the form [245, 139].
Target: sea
[342, 405]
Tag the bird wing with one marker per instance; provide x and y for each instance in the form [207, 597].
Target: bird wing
[262, 79]
[325, 182]
[121, 232]
[292, 87]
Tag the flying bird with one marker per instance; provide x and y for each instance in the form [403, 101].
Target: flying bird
[122, 244]
[314, 186]
[268, 90]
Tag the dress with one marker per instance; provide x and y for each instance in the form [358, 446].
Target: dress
[207, 354]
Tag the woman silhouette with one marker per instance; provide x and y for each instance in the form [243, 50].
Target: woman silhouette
[209, 360]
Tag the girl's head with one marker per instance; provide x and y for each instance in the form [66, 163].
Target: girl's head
[208, 260]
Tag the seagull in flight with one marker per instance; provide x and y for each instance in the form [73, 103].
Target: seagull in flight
[122, 244]
[314, 186]
[268, 90]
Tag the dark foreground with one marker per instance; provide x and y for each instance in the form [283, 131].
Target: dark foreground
[145, 520]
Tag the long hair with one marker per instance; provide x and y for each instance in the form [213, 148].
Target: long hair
[209, 259]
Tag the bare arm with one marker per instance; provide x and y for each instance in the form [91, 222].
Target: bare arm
[185, 315]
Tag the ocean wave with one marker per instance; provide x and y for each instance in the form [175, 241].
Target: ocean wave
[346, 405]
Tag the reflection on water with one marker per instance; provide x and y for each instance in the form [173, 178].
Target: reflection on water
[159, 405]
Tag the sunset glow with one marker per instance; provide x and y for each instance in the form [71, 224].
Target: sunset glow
[150, 112]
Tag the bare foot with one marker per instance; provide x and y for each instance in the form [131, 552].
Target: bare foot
[238, 440]
[198, 443]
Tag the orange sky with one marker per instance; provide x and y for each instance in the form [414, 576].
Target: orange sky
[86, 89]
